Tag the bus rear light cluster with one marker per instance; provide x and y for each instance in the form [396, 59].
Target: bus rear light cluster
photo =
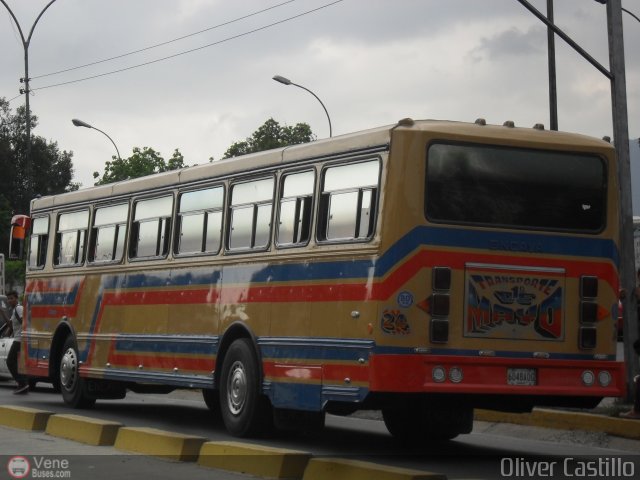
[587, 334]
[439, 374]
[589, 378]
[440, 305]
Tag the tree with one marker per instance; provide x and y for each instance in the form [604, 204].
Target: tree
[51, 169]
[143, 162]
[271, 135]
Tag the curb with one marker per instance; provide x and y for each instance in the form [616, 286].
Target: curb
[254, 460]
[83, 429]
[24, 418]
[159, 443]
[229, 456]
[338, 468]
[547, 418]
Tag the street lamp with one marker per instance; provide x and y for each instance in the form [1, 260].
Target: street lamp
[286, 81]
[80, 123]
[26, 90]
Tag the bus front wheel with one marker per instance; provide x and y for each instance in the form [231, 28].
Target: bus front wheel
[243, 407]
[72, 386]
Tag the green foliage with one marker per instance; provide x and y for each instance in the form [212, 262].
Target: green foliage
[14, 271]
[271, 135]
[143, 162]
[51, 170]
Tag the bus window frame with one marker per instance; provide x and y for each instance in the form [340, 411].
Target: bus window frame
[48, 235]
[92, 240]
[133, 232]
[177, 221]
[314, 203]
[322, 216]
[57, 243]
[605, 189]
[229, 217]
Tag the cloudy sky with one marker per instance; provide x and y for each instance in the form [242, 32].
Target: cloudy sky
[372, 62]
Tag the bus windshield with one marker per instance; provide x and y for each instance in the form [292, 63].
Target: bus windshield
[515, 187]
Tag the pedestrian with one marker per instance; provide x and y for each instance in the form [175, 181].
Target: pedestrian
[15, 319]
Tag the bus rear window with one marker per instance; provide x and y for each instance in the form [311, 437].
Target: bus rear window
[517, 188]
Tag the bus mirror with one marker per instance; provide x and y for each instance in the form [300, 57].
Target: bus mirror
[19, 226]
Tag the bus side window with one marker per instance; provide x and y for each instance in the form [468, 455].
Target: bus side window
[108, 233]
[250, 215]
[151, 228]
[348, 202]
[71, 238]
[294, 216]
[39, 242]
[200, 221]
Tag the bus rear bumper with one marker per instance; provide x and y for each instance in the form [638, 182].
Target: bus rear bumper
[505, 376]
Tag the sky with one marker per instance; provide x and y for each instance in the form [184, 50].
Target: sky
[372, 62]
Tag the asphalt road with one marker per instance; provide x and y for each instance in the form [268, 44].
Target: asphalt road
[491, 451]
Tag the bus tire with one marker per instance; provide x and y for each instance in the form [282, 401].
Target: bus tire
[72, 385]
[245, 411]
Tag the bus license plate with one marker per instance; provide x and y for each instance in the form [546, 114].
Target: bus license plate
[521, 376]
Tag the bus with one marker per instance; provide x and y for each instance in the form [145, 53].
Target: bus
[422, 269]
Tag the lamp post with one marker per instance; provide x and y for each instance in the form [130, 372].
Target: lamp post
[80, 123]
[26, 90]
[286, 81]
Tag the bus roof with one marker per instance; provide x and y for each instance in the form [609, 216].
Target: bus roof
[341, 144]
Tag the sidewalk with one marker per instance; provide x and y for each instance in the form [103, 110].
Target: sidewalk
[604, 418]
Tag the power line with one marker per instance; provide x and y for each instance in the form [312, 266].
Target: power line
[163, 43]
[189, 51]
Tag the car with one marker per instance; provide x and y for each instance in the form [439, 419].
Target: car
[5, 341]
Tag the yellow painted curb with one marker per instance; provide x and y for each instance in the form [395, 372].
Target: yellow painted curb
[267, 462]
[83, 429]
[24, 418]
[566, 420]
[159, 443]
[341, 469]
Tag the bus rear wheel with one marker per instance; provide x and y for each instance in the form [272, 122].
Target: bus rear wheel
[245, 411]
[72, 385]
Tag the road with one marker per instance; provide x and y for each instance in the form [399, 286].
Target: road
[481, 454]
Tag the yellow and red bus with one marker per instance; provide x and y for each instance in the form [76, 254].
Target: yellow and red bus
[423, 269]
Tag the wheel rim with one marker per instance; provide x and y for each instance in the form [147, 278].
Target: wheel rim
[69, 369]
[236, 388]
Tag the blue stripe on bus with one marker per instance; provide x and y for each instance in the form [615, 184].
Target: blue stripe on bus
[351, 269]
[168, 344]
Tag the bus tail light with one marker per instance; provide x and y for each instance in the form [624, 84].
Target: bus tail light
[439, 330]
[455, 374]
[440, 305]
[588, 378]
[441, 278]
[587, 338]
[588, 287]
[438, 374]
[604, 378]
[588, 312]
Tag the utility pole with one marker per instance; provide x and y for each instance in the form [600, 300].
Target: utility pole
[551, 49]
[616, 75]
[621, 139]
[27, 91]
